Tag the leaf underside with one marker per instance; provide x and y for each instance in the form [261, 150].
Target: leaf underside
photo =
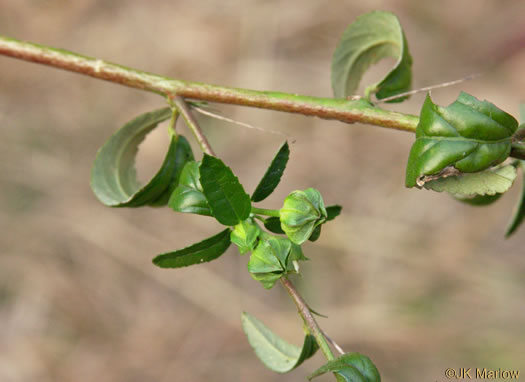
[489, 182]
[188, 196]
[369, 39]
[113, 176]
[274, 352]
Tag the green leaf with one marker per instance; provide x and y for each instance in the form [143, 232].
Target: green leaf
[469, 136]
[489, 182]
[479, 200]
[277, 354]
[352, 367]
[273, 224]
[188, 196]
[333, 211]
[369, 39]
[316, 233]
[273, 174]
[228, 201]
[245, 235]
[519, 211]
[113, 176]
[301, 213]
[201, 252]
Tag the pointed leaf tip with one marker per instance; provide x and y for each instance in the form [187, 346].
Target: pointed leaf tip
[228, 201]
[273, 174]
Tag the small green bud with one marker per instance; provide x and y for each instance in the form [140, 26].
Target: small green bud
[302, 212]
[245, 235]
[271, 258]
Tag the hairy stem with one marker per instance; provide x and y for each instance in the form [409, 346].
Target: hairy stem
[348, 111]
[308, 318]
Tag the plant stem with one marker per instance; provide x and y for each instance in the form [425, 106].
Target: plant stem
[348, 111]
[308, 318]
[266, 212]
[190, 120]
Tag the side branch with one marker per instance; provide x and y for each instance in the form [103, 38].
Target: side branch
[348, 111]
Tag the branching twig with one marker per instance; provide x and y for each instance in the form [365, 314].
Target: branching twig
[328, 108]
[184, 110]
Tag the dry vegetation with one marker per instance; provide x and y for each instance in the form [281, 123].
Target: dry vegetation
[412, 279]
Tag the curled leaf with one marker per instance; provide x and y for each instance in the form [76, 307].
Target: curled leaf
[113, 176]
[277, 354]
[468, 136]
[490, 182]
[369, 39]
[188, 196]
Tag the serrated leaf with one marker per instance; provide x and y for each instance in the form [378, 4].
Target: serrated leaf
[228, 201]
[273, 174]
[352, 367]
[519, 211]
[113, 176]
[469, 136]
[274, 352]
[198, 253]
[188, 196]
[489, 182]
[369, 39]
[333, 211]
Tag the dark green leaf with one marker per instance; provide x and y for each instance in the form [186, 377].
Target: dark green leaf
[467, 136]
[228, 201]
[333, 211]
[245, 235]
[273, 224]
[113, 177]
[316, 233]
[352, 367]
[188, 196]
[277, 354]
[273, 175]
[493, 181]
[201, 252]
[301, 213]
[370, 38]
[519, 211]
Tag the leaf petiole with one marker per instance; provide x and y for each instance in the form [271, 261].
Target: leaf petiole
[266, 212]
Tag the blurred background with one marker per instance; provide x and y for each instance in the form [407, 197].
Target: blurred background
[411, 278]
